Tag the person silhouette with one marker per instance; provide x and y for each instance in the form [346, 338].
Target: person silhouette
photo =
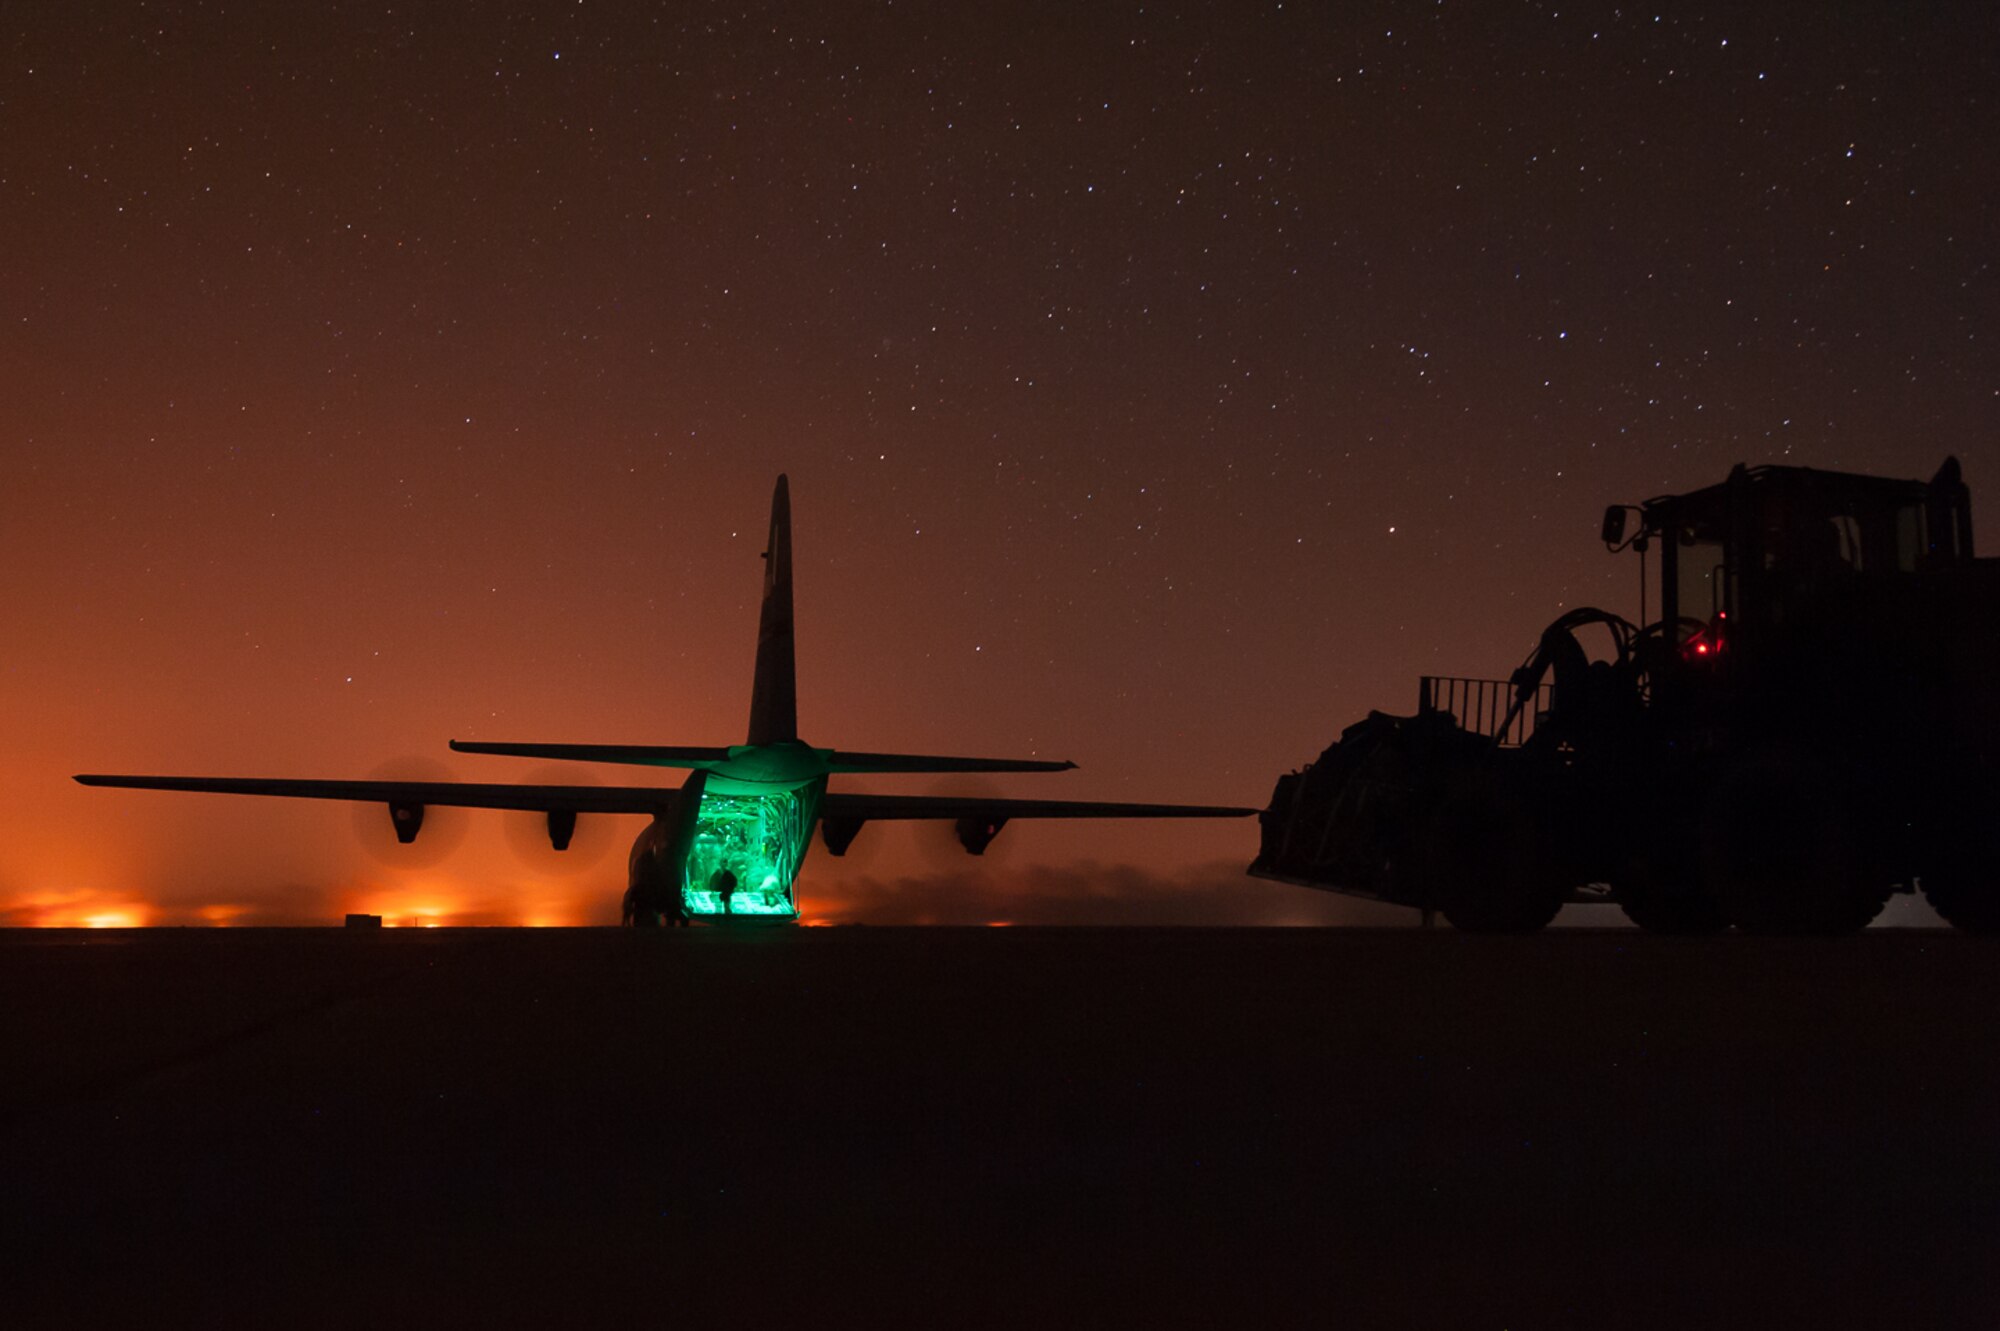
[723, 884]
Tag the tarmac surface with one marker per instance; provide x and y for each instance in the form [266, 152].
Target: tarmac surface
[1089, 1127]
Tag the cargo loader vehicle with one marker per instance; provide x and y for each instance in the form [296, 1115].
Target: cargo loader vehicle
[1810, 723]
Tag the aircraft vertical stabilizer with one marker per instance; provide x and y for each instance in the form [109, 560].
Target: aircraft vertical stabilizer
[774, 706]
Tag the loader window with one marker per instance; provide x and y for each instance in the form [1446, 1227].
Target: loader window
[1825, 544]
[1856, 540]
[1909, 537]
[1698, 573]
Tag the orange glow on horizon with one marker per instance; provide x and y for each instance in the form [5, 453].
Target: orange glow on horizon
[76, 908]
[420, 917]
[422, 906]
[426, 907]
[434, 903]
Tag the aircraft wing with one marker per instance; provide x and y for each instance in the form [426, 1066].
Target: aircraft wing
[844, 760]
[466, 794]
[673, 755]
[868, 808]
[979, 818]
[647, 755]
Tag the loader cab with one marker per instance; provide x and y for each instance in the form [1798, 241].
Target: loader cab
[1771, 546]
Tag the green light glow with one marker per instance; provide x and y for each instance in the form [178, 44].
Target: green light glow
[759, 838]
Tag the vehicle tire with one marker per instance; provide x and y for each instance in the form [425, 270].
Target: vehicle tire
[642, 909]
[1964, 884]
[1666, 902]
[1780, 854]
[1485, 864]
[1969, 904]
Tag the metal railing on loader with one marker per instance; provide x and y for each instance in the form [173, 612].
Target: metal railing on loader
[1481, 706]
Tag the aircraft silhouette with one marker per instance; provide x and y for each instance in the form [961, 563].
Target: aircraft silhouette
[729, 842]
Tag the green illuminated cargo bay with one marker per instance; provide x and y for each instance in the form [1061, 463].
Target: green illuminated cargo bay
[760, 839]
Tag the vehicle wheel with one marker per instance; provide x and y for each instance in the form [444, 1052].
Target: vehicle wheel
[1964, 886]
[641, 910]
[1780, 855]
[1485, 864]
[1664, 902]
[1971, 906]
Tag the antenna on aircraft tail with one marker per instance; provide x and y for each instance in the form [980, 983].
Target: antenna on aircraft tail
[774, 707]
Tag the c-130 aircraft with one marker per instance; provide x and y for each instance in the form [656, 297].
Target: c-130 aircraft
[728, 844]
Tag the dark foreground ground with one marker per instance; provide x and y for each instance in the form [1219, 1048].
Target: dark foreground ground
[1088, 1127]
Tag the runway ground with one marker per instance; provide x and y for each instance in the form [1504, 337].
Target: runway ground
[997, 1127]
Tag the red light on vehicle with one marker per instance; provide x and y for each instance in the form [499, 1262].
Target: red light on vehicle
[1706, 644]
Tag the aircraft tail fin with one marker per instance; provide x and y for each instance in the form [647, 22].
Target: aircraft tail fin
[774, 707]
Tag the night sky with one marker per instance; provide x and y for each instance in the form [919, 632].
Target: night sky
[1161, 388]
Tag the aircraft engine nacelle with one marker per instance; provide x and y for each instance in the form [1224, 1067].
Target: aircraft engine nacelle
[407, 819]
[839, 833]
[976, 834]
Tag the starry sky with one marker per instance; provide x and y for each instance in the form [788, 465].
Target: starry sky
[1162, 386]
